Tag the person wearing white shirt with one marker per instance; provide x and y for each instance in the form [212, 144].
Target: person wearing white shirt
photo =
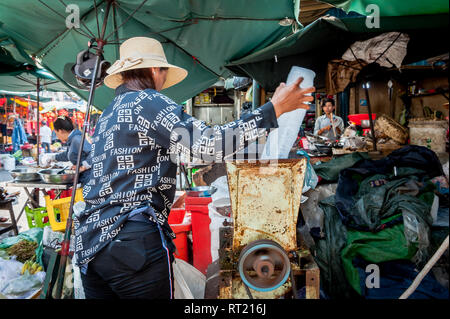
[323, 125]
[46, 137]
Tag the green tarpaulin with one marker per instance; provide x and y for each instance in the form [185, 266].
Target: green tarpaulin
[330, 170]
[392, 7]
[328, 253]
[26, 82]
[394, 204]
[18, 72]
[386, 245]
[329, 37]
[200, 36]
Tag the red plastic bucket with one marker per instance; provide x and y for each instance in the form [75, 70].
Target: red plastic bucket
[181, 230]
[201, 235]
[357, 118]
[204, 201]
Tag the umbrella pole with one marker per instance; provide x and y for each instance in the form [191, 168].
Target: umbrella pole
[372, 130]
[65, 245]
[66, 242]
[37, 120]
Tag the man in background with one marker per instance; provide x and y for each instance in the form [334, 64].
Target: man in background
[46, 137]
[324, 124]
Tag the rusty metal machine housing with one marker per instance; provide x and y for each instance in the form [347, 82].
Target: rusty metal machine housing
[265, 202]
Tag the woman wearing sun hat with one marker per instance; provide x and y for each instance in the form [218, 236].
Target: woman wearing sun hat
[123, 240]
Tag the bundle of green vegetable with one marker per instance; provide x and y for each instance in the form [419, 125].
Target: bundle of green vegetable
[24, 250]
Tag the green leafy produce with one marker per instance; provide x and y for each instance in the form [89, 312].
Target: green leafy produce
[24, 250]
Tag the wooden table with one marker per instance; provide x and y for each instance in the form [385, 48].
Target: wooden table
[7, 205]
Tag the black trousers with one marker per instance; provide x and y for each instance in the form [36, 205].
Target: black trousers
[133, 266]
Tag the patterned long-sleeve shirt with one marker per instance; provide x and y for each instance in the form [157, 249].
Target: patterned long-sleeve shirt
[133, 158]
[71, 153]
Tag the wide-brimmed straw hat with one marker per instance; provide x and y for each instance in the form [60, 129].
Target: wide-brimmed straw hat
[140, 53]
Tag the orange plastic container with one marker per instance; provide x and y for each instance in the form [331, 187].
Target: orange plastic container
[181, 230]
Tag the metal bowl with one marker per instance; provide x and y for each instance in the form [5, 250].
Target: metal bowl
[201, 191]
[324, 148]
[51, 176]
[25, 174]
[365, 124]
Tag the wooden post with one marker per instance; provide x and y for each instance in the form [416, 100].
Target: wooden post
[352, 105]
[313, 284]
[263, 96]
[372, 130]
[256, 102]
[37, 121]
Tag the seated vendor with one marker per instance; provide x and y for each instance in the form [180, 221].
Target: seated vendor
[323, 125]
[71, 138]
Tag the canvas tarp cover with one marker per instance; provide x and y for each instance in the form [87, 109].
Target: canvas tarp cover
[200, 36]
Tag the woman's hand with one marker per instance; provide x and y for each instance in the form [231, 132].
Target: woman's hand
[288, 98]
[82, 168]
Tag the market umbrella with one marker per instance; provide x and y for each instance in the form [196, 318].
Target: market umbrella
[19, 73]
[29, 96]
[200, 36]
[59, 105]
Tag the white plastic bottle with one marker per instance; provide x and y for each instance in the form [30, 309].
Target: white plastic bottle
[281, 140]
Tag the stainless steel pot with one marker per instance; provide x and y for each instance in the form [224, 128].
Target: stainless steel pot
[201, 191]
[51, 176]
[25, 174]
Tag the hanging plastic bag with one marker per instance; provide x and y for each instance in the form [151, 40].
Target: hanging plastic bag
[189, 282]
[280, 141]
[78, 290]
[311, 179]
[221, 197]
[217, 220]
[416, 233]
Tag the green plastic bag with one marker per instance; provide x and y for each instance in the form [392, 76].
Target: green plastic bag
[386, 245]
[33, 234]
[329, 171]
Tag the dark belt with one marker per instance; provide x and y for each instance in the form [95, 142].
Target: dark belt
[139, 215]
[140, 218]
[142, 214]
